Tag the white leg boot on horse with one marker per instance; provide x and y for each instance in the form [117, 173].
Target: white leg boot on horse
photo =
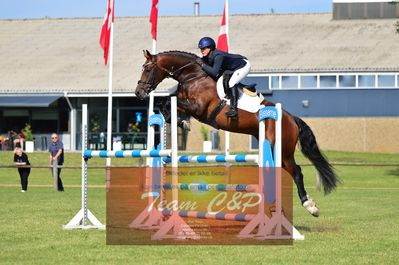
[310, 206]
[185, 124]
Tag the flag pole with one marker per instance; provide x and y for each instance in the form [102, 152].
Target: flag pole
[150, 129]
[109, 116]
[227, 24]
[227, 133]
[154, 46]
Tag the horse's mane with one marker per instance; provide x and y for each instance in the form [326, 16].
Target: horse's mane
[189, 55]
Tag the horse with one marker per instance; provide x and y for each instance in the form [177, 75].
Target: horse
[197, 96]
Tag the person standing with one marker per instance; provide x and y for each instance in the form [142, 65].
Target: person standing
[56, 150]
[21, 160]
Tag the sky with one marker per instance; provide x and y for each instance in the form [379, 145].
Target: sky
[26, 9]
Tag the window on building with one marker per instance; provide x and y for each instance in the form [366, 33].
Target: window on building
[44, 126]
[340, 11]
[357, 10]
[63, 121]
[308, 81]
[97, 101]
[132, 120]
[386, 80]
[373, 10]
[390, 9]
[366, 81]
[367, 10]
[290, 81]
[44, 120]
[347, 81]
[130, 102]
[14, 119]
[328, 81]
[275, 82]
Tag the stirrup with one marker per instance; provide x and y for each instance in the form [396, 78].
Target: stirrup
[232, 113]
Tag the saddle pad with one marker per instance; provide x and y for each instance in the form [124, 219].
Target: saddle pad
[245, 102]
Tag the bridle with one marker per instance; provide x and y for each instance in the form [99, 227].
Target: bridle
[151, 85]
[150, 82]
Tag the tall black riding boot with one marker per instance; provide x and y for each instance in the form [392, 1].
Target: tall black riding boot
[233, 103]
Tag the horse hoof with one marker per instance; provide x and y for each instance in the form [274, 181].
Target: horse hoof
[187, 125]
[310, 206]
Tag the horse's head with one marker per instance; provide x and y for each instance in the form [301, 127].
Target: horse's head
[181, 66]
[150, 78]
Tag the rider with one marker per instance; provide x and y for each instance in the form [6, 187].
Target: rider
[214, 62]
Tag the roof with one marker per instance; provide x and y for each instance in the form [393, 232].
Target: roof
[63, 55]
[28, 101]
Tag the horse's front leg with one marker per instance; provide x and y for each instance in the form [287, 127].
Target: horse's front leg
[182, 117]
[164, 107]
[183, 111]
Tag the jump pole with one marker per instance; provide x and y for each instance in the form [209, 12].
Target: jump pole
[84, 217]
[150, 129]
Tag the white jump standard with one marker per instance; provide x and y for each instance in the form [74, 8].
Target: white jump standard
[84, 217]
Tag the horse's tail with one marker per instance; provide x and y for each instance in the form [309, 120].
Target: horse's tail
[311, 150]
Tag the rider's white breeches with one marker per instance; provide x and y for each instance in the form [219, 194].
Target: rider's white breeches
[239, 74]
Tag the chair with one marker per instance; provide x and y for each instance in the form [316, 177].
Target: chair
[126, 141]
[139, 141]
[96, 141]
[44, 142]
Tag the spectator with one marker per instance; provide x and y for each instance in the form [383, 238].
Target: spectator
[57, 154]
[11, 137]
[19, 139]
[21, 160]
[3, 142]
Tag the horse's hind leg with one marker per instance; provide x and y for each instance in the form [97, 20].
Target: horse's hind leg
[292, 168]
[298, 178]
[296, 172]
[308, 203]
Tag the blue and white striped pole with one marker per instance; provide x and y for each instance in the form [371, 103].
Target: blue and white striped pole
[215, 158]
[127, 153]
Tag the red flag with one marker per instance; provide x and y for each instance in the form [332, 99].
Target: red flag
[154, 19]
[106, 29]
[223, 40]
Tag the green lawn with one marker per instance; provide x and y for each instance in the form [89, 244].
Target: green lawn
[359, 223]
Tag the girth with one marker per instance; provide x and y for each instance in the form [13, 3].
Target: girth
[212, 118]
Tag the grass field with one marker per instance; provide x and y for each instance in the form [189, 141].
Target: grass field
[359, 223]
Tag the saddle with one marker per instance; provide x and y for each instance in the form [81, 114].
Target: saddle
[249, 89]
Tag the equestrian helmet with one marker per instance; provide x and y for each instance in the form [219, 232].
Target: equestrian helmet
[207, 42]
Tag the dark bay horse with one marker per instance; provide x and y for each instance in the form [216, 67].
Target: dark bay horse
[197, 96]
